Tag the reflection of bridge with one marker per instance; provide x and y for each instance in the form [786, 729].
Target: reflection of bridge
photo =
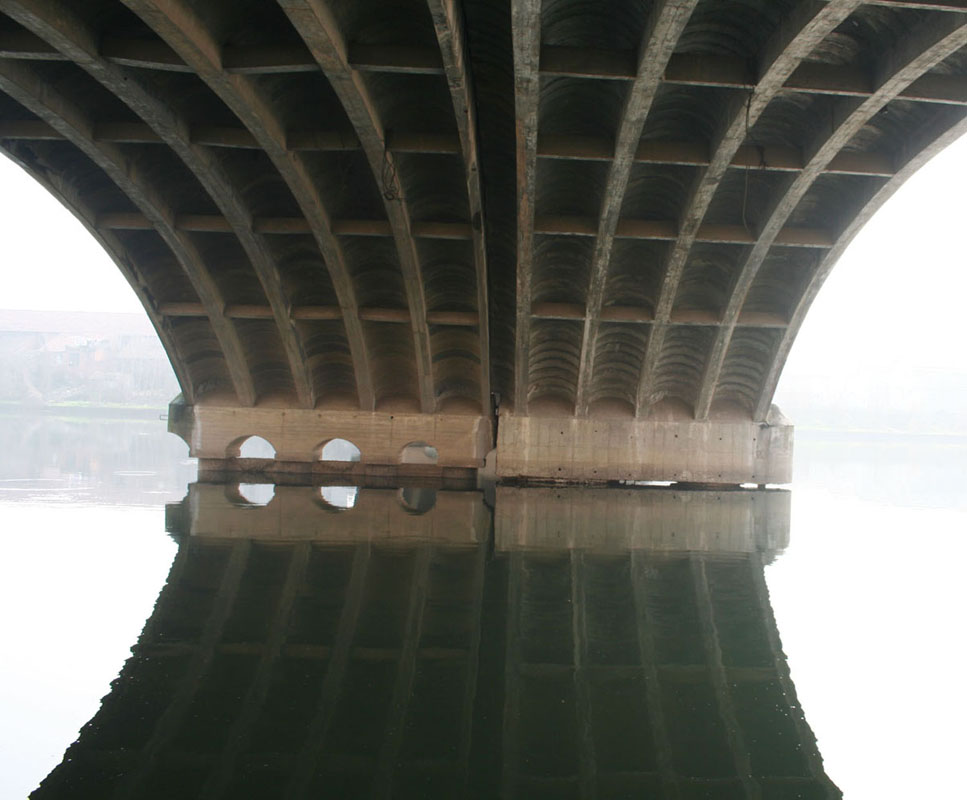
[605, 663]
[352, 220]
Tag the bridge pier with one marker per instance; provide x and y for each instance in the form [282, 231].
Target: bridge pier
[723, 450]
[215, 433]
[575, 450]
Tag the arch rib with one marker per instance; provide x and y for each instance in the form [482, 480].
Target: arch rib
[667, 20]
[924, 47]
[23, 85]
[924, 152]
[526, 27]
[449, 26]
[61, 27]
[117, 252]
[318, 29]
[811, 22]
[59, 112]
[186, 34]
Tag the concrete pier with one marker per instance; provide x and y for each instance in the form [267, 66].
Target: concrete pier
[721, 450]
[574, 450]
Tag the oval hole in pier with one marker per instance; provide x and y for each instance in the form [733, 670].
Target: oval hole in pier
[339, 450]
[339, 497]
[252, 447]
[417, 499]
[419, 453]
[257, 494]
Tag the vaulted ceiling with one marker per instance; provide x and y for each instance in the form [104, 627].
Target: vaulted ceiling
[584, 207]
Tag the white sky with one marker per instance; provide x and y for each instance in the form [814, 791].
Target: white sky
[897, 295]
[50, 261]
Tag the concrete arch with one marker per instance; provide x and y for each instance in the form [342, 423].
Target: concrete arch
[337, 449]
[917, 52]
[68, 120]
[343, 220]
[790, 44]
[63, 28]
[417, 499]
[255, 446]
[317, 26]
[67, 195]
[418, 453]
[251, 495]
[337, 499]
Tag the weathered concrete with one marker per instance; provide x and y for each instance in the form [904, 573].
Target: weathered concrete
[421, 217]
[572, 449]
[300, 512]
[562, 449]
[600, 520]
[657, 518]
[298, 435]
[329, 669]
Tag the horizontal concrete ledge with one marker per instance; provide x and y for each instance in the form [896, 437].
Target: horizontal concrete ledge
[588, 450]
[217, 432]
[563, 449]
[602, 520]
[322, 473]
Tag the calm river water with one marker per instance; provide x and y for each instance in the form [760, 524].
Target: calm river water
[563, 645]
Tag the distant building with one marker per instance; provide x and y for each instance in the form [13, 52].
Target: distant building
[50, 357]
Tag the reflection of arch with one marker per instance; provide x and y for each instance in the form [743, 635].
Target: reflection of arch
[339, 498]
[250, 447]
[419, 453]
[338, 450]
[250, 494]
[694, 631]
[417, 499]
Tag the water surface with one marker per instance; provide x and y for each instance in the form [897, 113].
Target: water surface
[867, 600]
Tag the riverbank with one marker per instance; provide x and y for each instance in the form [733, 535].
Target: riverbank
[76, 410]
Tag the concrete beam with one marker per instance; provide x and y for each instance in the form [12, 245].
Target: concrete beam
[526, 28]
[665, 24]
[920, 50]
[320, 32]
[785, 51]
[215, 433]
[188, 36]
[58, 111]
[576, 450]
[450, 29]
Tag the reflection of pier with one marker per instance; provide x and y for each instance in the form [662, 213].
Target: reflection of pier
[302, 512]
[665, 518]
[582, 664]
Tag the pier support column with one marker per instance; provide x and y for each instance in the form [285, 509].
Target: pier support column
[215, 432]
[565, 449]
[575, 450]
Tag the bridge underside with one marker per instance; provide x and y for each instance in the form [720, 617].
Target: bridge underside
[398, 222]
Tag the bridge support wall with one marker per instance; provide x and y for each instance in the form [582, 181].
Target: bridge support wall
[565, 449]
[215, 433]
[589, 450]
